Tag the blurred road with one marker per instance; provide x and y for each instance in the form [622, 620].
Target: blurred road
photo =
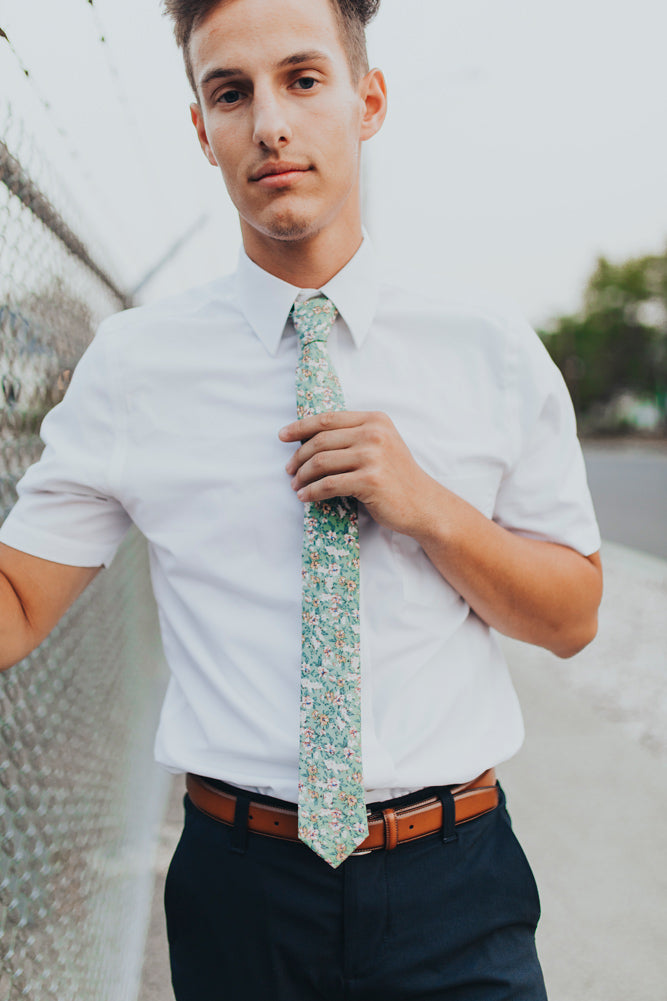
[628, 481]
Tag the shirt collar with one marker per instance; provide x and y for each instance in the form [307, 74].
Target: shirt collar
[266, 301]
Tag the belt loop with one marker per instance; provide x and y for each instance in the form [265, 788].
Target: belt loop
[449, 832]
[239, 835]
[390, 828]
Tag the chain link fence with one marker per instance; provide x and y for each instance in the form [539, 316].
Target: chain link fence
[79, 794]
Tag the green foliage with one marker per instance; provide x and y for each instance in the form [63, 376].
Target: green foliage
[618, 341]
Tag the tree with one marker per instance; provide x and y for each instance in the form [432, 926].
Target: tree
[618, 340]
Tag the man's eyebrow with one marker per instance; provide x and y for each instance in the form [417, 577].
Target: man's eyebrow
[308, 56]
[296, 59]
[219, 74]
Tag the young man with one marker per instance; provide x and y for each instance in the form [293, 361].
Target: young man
[444, 495]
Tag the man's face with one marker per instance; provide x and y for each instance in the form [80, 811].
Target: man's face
[279, 113]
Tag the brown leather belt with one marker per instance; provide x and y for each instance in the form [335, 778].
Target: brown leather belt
[386, 829]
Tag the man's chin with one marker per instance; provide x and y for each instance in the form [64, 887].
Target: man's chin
[293, 229]
[287, 225]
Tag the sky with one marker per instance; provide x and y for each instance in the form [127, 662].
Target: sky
[523, 140]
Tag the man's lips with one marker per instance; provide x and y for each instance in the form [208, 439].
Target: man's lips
[275, 174]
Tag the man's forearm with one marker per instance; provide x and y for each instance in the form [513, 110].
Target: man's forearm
[15, 630]
[34, 595]
[534, 591]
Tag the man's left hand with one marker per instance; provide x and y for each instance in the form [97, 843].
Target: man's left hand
[358, 454]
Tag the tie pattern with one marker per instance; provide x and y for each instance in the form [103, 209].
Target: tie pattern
[332, 808]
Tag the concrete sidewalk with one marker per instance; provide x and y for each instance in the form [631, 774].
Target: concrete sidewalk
[588, 796]
[589, 805]
[155, 979]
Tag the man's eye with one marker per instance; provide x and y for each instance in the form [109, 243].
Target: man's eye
[305, 83]
[230, 97]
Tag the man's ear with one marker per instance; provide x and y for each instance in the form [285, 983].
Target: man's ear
[373, 92]
[198, 122]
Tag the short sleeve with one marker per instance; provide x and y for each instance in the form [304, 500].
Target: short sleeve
[66, 511]
[544, 494]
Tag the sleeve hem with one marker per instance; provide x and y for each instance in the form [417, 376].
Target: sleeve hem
[587, 544]
[55, 548]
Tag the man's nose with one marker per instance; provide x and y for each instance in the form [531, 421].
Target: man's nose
[271, 126]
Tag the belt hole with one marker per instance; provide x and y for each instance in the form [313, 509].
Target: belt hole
[276, 823]
[250, 816]
[412, 827]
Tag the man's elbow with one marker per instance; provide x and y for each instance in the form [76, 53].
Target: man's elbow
[16, 645]
[579, 623]
[568, 643]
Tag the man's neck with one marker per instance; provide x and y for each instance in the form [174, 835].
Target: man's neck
[308, 263]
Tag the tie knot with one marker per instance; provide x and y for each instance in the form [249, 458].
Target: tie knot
[313, 319]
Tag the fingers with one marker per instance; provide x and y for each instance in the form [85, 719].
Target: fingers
[343, 454]
[333, 420]
[338, 485]
[323, 465]
[325, 441]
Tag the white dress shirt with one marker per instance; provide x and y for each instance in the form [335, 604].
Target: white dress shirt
[171, 422]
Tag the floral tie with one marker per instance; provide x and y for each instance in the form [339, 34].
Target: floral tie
[332, 808]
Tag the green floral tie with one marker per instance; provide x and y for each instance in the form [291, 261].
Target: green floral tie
[332, 808]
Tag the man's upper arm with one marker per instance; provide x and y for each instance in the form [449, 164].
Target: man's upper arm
[34, 595]
[544, 494]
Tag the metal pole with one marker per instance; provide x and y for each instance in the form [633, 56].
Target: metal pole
[14, 177]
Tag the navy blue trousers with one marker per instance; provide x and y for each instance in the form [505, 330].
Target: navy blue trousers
[251, 918]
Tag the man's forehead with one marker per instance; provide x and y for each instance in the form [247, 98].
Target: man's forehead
[238, 30]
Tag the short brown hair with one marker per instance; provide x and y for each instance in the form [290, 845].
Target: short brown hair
[352, 15]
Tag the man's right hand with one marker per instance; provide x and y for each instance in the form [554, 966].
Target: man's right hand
[34, 595]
